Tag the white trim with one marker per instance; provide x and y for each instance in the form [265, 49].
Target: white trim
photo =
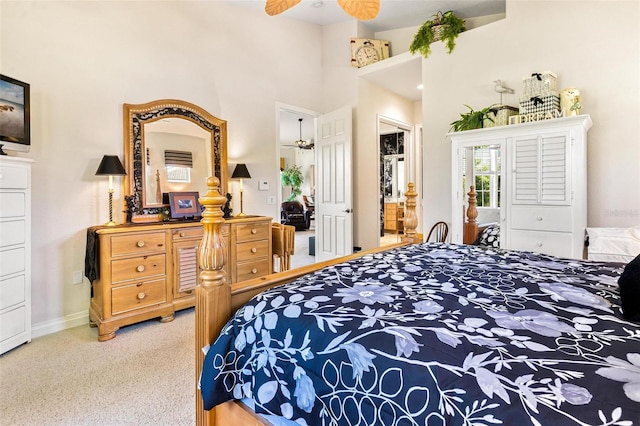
[59, 324]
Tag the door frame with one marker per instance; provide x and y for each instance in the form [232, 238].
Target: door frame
[412, 165]
[280, 107]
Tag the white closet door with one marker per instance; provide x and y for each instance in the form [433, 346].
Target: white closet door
[554, 170]
[526, 170]
[541, 170]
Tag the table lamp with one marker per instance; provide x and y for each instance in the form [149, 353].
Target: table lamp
[241, 172]
[110, 166]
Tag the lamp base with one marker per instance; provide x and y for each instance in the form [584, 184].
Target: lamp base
[111, 223]
[241, 214]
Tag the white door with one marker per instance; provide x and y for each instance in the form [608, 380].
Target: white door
[334, 215]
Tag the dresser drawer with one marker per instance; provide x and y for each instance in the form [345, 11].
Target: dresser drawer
[13, 322]
[136, 296]
[137, 243]
[252, 250]
[253, 231]
[556, 219]
[12, 261]
[553, 243]
[183, 234]
[12, 232]
[12, 177]
[249, 270]
[12, 204]
[138, 268]
[12, 291]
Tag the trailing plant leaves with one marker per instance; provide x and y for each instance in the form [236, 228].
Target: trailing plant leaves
[452, 26]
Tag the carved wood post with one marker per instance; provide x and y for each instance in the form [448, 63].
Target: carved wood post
[410, 216]
[470, 230]
[213, 294]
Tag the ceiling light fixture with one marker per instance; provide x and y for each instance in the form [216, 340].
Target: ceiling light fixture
[302, 144]
[362, 10]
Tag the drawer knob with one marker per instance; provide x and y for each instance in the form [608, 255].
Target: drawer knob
[140, 243]
[140, 268]
[254, 230]
[254, 271]
[254, 250]
[141, 295]
[182, 234]
[539, 218]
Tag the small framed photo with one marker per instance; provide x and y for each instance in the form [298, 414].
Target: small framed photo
[184, 205]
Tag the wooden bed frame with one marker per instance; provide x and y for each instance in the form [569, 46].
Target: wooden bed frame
[216, 300]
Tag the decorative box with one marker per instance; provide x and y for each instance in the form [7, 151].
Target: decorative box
[533, 104]
[500, 116]
[539, 84]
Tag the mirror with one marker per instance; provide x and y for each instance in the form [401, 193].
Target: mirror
[394, 140]
[481, 164]
[171, 146]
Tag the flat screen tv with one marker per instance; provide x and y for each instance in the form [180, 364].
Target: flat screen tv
[14, 115]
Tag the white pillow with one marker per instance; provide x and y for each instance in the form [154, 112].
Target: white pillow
[614, 244]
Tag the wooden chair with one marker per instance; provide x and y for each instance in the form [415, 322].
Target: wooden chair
[283, 244]
[438, 233]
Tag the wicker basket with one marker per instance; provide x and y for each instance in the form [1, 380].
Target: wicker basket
[437, 31]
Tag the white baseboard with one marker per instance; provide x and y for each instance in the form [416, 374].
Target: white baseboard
[59, 324]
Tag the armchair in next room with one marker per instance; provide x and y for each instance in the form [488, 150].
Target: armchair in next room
[293, 213]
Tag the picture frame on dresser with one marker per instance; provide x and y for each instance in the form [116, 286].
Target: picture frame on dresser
[184, 205]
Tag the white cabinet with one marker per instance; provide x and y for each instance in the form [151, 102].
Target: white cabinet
[15, 252]
[543, 193]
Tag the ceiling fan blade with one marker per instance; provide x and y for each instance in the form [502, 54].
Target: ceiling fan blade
[274, 7]
[362, 10]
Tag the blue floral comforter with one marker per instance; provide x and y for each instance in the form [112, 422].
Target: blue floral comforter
[435, 334]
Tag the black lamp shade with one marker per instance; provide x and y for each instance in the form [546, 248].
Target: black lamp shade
[241, 172]
[110, 166]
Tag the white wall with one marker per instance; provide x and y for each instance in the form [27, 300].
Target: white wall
[85, 59]
[592, 45]
[373, 101]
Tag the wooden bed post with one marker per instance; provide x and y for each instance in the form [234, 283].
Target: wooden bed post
[213, 294]
[470, 230]
[410, 216]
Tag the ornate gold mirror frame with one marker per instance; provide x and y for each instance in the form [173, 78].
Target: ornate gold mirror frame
[135, 117]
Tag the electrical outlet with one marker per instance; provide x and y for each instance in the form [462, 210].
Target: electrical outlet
[77, 277]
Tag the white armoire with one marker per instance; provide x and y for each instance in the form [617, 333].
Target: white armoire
[543, 184]
[15, 252]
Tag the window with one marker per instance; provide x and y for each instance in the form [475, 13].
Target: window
[178, 165]
[485, 169]
[486, 175]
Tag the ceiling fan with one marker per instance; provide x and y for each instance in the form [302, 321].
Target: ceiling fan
[362, 10]
[301, 143]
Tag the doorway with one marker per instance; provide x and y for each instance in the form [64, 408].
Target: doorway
[289, 153]
[396, 153]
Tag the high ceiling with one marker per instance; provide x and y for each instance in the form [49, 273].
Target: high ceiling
[393, 14]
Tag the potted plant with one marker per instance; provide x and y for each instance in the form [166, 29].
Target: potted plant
[473, 119]
[292, 176]
[442, 26]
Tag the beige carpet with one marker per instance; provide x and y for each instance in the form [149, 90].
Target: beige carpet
[145, 376]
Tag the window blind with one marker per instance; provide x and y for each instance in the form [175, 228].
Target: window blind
[178, 158]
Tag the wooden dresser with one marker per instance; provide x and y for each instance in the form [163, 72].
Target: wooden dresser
[150, 270]
[393, 215]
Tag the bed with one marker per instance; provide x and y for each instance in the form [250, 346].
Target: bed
[418, 334]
